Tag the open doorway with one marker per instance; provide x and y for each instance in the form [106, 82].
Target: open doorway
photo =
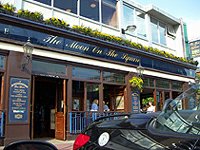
[47, 95]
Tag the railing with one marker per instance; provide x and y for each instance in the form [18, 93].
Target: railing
[79, 120]
[2, 123]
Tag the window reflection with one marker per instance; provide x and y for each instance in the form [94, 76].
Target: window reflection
[141, 30]
[77, 96]
[113, 77]
[2, 62]
[90, 9]
[128, 17]
[109, 12]
[154, 30]
[92, 94]
[46, 68]
[47, 2]
[85, 73]
[69, 5]
[162, 33]
[158, 32]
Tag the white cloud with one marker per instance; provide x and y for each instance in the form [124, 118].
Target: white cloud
[193, 28]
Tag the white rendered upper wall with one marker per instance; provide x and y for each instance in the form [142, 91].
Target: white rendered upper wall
[154, 27]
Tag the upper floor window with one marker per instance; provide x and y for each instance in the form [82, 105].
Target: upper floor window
[141, 26]
[109, 12]
[158, 32]
[128, 17]
[47, 2]
[69, 5]
[90, 9]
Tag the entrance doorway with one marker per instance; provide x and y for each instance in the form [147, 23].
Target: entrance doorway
[47, 101]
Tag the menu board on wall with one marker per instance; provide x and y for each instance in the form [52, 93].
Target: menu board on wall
[18, 100]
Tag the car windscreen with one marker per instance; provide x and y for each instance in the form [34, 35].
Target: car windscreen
[181, 114]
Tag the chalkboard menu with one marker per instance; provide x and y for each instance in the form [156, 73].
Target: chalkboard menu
[18, 100]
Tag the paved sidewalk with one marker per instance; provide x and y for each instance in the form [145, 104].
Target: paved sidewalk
[61, 145]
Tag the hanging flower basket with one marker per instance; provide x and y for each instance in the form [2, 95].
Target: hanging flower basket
[137, 83]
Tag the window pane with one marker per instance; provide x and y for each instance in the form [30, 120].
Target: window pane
[154, 30]
[2, 62]
[92, 94]
[128, 17]
[48, 68]
[141, 30]
[85, 73]
[77, 96]
[90, 9]
[148, 82]
[162, 33]
[162, 83]
[47, 2]
[69, 5]
[113, 77]
[176, 85]
[109, 12]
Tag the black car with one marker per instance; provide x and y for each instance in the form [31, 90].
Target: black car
[176, 127]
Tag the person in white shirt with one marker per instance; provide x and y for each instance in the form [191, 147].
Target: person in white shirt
[151, 108]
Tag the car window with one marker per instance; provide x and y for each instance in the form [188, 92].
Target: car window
[181, 114]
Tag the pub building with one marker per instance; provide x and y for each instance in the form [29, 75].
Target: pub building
[50, 77]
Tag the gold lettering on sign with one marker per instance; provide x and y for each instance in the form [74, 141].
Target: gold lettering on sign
[97, 50]
[52, 40]
[76, 45]
[127, 58]
[112, 53]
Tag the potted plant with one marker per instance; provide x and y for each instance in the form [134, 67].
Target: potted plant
[137, 83]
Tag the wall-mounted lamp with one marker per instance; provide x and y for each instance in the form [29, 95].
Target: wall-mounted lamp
[140, 70]
[130, 28]
[28, 50]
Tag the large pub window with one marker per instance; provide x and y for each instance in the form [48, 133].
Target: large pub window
[113, 90]
[92, 94]
[77, 96]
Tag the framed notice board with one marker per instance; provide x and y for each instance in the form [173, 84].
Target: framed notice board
[18, 100]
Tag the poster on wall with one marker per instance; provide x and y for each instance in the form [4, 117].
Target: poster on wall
[18, 100]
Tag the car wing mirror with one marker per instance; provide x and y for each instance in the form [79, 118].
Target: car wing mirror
[30, 145]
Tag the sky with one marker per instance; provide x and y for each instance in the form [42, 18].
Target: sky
[188, 10]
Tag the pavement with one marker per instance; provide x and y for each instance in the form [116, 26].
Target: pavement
[61, 145]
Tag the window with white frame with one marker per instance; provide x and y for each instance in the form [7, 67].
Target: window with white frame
[109, 12]
[106, 14]
[90, 9]
[158, 32]
[69, 5]
[47, 2]
[128, 17]
[141, 25]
